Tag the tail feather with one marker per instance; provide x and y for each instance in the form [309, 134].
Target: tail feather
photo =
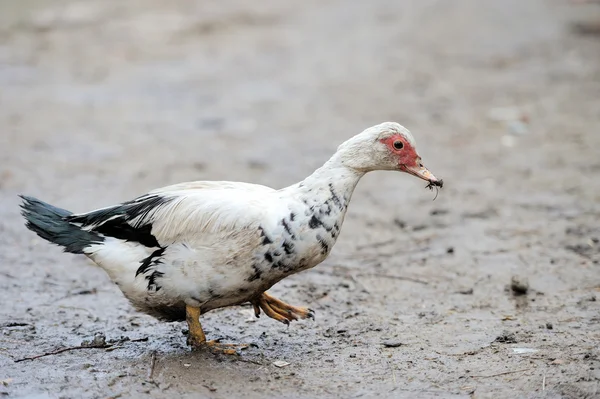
[49, 222]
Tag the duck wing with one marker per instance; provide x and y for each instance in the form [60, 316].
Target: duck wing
[180, 212]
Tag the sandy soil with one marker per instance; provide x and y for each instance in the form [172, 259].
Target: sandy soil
[102, 100]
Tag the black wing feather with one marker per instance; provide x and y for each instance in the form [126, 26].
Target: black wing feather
[127, 221]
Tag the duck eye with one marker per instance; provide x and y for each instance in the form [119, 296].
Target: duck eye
[398, 145]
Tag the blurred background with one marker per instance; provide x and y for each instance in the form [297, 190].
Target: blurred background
[488, 291]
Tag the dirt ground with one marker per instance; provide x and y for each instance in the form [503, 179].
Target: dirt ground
[103, 100]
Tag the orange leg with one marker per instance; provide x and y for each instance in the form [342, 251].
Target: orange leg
[279, 310]
[197, 339]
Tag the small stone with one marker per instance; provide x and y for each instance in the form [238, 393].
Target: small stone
[519, 285]
[521, 351]
[186, 364]
[506, 338]
[467, 291]
[549, 326]
[450, 250]
[99, 341]
[392, 344]
[352, 355]
[280, 363]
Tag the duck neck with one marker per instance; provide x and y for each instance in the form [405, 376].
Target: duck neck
[333, 182]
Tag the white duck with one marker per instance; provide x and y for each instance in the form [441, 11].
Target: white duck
[183, 250]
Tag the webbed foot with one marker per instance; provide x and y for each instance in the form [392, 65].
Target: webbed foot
[279, 310]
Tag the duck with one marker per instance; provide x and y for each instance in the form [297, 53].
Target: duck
[180, 251]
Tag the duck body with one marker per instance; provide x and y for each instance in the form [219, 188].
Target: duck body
[183, 250]
[246, 238]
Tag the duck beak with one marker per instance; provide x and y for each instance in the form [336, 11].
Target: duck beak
[423, 173]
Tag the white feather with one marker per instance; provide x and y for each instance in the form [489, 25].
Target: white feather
[222, 243]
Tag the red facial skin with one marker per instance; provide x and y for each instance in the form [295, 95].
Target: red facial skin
[408, 157]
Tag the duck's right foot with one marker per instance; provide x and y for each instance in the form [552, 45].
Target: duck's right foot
[279, 310]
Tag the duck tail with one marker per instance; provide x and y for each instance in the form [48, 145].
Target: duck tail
[50, 223]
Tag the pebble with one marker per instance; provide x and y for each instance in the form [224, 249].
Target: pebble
[506, 338]
[392, 344]
[98, 341]
[521, 351]
[519, 285]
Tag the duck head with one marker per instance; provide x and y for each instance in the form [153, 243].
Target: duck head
[387, 146]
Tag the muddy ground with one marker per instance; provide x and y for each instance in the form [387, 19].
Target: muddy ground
[103, 100]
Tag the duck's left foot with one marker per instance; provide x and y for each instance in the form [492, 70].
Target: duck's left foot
[226, 349]
[197, 340]
[279, 310]
[217, 347]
